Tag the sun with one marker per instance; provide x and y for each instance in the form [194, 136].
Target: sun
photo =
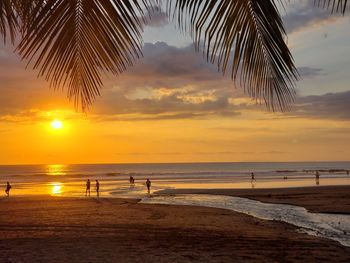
[56, 124]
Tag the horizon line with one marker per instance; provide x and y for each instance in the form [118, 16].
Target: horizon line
[199, 162]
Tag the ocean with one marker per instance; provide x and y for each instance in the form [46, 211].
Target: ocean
[69, 180]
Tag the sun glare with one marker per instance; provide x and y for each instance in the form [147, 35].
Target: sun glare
[56, 124]
[56, 188]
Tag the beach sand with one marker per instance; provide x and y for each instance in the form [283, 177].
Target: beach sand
[53, 229]
[320, 199]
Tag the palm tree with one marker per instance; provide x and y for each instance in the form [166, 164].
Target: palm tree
[73, 42]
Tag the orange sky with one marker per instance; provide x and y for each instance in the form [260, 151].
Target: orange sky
[173, 107]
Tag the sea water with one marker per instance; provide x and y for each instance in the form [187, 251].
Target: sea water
[69, 180]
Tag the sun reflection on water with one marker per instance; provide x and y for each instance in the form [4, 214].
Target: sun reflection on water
[56, 169]
[56, 188]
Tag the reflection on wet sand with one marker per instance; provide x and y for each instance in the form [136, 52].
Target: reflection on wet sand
[253, 184]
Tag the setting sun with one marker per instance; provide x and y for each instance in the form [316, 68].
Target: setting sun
[56, 124]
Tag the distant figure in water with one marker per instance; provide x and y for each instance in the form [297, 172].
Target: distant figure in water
[253, 176]
[317, 176]
[97, 188]
[8, 188]
[132, 180]
[347, 172]
[87, 187]
[148, 184]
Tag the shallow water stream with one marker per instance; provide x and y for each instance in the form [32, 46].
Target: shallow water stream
[332, 226]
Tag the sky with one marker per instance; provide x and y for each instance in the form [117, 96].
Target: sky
[172, 106]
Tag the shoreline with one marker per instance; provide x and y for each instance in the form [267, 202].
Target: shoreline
[319, 199]
[333, 199]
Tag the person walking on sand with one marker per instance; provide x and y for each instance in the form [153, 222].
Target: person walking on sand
[87, 187]
[8, 188]
[97, 188]
[148, 184]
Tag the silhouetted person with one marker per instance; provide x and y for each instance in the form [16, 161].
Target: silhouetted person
[97, 188]
[148, 184]
[317, 177]
[347, 172]
[87, 187]
[132, 180]
[8, 188]
[253, 176]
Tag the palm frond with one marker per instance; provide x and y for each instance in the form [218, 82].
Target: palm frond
[8, 19]
[73, 41]
[246, 36]
[334, 5]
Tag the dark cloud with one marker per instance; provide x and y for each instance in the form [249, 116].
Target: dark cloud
[168, 83]
[158, 18]
[302, 14]
[309, 72]
[329, 106]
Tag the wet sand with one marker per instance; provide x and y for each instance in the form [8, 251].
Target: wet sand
[52, 229]
[320, 199]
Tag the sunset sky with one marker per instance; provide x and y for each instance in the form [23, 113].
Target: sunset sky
[174, 107]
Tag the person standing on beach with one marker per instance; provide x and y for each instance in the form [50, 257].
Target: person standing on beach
[317, 175]
[87, 187]
[253, 176]
[97, 188]
[8, 188]
[148, 184]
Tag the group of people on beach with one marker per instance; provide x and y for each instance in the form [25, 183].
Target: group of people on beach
[97, 186]
[148, 183]
[88, 185]
[317, 177]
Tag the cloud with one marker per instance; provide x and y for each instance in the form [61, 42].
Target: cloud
[329, 106]
[309, 72]
[240, 153]
[303, 14]
[168, 83]
[158, 18]
[36, 115]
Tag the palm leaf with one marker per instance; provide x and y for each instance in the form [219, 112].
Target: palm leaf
[246, 36]
[73, 41]
[8, 19]
[334, 5]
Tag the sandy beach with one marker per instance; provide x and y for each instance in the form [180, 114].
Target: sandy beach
[53, 229]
